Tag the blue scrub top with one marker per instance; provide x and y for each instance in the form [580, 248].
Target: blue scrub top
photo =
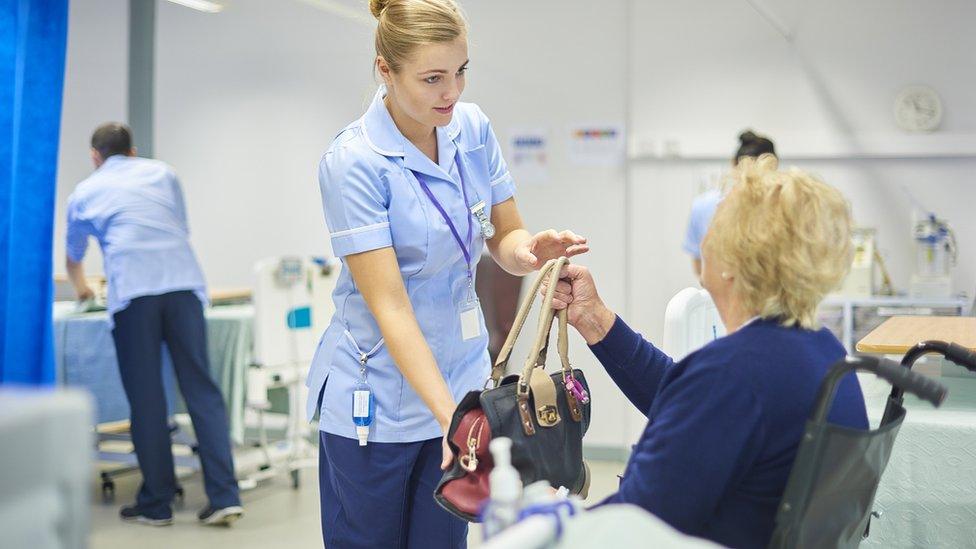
[702, 210]
[134, 207]
[372, 197]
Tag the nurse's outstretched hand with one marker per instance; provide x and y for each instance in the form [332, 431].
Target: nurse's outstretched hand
[536, 251]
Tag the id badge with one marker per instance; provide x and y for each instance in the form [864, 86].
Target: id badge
[470, 319]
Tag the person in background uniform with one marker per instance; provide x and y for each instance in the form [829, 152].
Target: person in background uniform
[156, 293]
[703, 207]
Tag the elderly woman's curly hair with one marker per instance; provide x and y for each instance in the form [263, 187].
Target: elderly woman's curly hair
[786, 236]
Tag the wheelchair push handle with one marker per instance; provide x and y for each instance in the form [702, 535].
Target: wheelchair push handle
[917, 384]
[961, 356]
[902, 378]
[952, 351]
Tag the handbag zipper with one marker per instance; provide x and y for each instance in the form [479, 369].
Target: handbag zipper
[469, 461]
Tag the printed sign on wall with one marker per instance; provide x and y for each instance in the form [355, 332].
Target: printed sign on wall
[529, 157]
[597, 145]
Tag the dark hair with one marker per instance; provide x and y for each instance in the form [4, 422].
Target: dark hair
[112, 138]
[753, 145]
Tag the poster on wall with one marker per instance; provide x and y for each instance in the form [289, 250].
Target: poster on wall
[529, 157]
[597, 145]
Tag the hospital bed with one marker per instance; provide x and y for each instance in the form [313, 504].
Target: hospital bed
[85, 359]
[256, 358]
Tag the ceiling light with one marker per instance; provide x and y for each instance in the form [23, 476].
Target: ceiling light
[200, 5]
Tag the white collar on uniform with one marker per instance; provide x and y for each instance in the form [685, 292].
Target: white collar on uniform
[383, 136]
[381, 132]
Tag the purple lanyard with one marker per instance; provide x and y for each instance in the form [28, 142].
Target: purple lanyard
[457, 237]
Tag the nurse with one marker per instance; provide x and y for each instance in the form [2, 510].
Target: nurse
[703, 207]
[412, 192]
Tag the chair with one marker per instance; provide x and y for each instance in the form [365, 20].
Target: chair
[829, 494]
[690, 322]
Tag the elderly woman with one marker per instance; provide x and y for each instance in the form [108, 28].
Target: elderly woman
[724, 423]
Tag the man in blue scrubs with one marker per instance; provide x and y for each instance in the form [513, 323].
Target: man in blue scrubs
[156, 293]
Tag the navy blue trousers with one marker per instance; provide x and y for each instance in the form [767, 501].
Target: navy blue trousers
[177, 319]
[382, 495]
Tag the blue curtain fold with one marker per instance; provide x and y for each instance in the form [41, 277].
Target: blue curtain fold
[33, 36]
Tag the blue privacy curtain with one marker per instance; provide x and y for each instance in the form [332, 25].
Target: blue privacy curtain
[32, 48]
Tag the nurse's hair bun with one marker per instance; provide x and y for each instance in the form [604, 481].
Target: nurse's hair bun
[405, 25]
[753, 145]
[748, 137]
[376, 7]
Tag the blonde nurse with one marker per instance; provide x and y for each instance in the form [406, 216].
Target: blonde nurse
[412, 192]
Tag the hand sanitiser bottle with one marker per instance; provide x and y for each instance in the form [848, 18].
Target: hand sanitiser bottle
[363, 410]
[505, 486]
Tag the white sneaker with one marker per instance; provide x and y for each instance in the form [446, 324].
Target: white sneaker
[220, 517]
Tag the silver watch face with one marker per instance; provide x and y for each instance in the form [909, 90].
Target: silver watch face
[488, 230]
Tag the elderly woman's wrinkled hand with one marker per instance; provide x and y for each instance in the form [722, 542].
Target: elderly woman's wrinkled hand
[576, 292]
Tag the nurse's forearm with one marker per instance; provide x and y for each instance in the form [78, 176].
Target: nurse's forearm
[509, 233]
[416, 362]
[505, 255]
[377, 275]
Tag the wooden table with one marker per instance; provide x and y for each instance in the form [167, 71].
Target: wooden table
[927, 492]
[900, 333]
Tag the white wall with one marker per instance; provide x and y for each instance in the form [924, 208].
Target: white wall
[246, 103]
[95, 89]
[248, 99]
[702, 71]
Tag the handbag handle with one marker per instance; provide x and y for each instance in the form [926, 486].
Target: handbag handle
[545, 326]
[503, 355]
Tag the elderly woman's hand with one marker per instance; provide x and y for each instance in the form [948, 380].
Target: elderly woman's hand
[576, 292]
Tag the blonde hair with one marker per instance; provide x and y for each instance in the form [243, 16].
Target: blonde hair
[404, 25]
[787, 237]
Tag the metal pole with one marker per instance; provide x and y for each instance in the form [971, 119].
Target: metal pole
[142, 43]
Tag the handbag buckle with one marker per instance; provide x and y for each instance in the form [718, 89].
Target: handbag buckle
[549, 415]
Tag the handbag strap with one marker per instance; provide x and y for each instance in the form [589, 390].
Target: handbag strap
[545, 326]
[562, 344]
[498, 370]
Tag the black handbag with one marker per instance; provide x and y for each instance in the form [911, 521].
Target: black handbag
[544, 415]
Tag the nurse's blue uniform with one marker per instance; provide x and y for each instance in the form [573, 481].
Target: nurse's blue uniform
[372, 181]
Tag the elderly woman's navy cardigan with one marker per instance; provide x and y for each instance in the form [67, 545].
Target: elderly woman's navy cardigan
[723, 424]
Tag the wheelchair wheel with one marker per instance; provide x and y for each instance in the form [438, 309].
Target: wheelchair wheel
[108, 490]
